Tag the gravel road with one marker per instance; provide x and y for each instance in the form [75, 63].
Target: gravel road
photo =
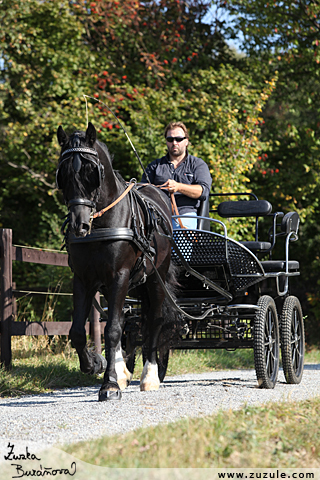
[71, 415]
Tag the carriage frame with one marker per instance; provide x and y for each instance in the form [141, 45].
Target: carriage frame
[232, 296]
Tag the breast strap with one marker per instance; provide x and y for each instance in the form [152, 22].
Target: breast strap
[100, 234]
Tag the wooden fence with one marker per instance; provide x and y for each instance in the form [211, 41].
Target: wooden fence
[8, 327]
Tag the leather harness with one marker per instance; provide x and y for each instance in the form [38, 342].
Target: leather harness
[141, 233]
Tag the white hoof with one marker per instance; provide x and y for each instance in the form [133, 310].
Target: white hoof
[149, 378]
[128, 374]
[122, 375]
[122, 383]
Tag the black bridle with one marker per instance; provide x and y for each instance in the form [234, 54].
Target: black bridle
[78, 155]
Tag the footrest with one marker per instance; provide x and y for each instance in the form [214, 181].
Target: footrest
[279, 265]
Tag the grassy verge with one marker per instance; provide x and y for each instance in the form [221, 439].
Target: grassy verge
[41, 364]
[273, 436]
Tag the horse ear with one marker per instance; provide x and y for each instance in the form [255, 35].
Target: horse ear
[62, 136]
[91, 134]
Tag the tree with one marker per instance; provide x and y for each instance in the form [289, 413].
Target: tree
[149, 42]
[150, 61]
[284, 37]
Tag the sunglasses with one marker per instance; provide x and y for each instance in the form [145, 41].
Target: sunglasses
[177, 139]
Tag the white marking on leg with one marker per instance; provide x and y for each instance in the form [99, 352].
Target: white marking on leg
[149, 378]
[123, 374]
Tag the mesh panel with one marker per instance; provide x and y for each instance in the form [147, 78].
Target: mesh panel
[242, 262]
[203, 330]
[201, 248]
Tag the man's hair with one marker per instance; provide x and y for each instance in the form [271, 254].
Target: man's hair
[173, 125]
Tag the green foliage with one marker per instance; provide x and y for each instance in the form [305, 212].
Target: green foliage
[253, 118]
[147, 43]
[284, 37]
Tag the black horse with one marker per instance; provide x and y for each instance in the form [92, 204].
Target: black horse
[112, 252]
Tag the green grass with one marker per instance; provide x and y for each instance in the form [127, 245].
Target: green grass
[273, 436]
[40, 365]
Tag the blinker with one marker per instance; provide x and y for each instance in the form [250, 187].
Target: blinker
[76, 163]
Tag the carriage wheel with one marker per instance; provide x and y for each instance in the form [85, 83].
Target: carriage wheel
[266, 343]
[292, 340]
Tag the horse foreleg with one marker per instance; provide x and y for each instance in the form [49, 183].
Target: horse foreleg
[90, 362]
[115, 378]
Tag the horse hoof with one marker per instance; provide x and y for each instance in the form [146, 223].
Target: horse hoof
[103, 363]
[123, 383]
[106, 395]
[149, 386]
[149, 378]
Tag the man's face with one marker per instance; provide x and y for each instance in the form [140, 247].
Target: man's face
[175, 148]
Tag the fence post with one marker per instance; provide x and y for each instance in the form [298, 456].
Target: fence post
[95, 331]
[6, 295]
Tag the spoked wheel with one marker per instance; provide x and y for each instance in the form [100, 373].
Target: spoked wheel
[292, 340]
[266, 343]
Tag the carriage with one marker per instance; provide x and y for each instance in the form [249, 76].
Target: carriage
[234, 294]
[120, 242]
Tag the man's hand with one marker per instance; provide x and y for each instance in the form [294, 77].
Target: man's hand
[192, 191]
[171, 186]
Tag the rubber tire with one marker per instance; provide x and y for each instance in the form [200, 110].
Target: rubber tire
[266, 343]
[292, 340]
[162, 361]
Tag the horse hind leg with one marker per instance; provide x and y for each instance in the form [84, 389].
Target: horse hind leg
[149, 378]
[124, 377]
[91, 363]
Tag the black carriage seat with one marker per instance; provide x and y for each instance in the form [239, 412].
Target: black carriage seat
[203, 211]
[280, 265]
[248, 208]
[289, 227]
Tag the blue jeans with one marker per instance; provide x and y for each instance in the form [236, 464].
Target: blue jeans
[189, 223]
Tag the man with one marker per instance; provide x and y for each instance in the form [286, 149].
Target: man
[178, 172]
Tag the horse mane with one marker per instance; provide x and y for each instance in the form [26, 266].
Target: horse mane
[105, 149]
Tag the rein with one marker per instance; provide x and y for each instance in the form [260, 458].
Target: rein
[175, 209]
[127, 190]
[132, 184]
[79, 151]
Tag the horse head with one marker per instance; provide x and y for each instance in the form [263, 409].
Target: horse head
[79, 175]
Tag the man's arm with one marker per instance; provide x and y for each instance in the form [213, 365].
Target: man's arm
[192, 191]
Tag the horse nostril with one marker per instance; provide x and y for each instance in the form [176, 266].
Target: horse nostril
[82, 230]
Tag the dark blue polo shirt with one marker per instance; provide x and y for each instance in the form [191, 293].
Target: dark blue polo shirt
[192, 171]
